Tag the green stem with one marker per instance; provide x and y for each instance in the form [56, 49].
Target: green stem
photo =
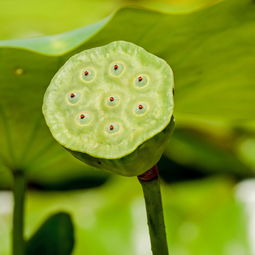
[152, 195]
[18, 242]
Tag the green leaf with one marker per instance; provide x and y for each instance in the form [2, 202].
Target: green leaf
[246, 151]
[202, 217]
[206, 153]
[212, 59]
[54, 237]
[33, 20]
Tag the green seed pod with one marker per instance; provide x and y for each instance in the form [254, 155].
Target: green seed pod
[112, 107]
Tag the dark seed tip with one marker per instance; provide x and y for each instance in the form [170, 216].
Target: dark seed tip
[111, 99]
[86, 73]
[116, 67]
[140, 106]
[82, 116]
[140, 78]
[72, 95]
[111, 127]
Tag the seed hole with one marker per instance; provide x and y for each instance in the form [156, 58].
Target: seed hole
[83, 119]
[88, 75]
[140, 109]
[117, 69]
[112, 100]
[141, 81]
[73, 97]
[112, 128]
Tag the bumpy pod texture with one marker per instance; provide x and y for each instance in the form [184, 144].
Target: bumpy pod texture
[112, 107]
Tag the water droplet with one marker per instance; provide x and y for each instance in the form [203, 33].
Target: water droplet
[19, 71]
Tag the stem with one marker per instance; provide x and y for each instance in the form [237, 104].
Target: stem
[152, 195]
[18, 242]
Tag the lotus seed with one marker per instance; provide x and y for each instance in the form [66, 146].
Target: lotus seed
[117, 69]
[112, 100]
[88, 75]
[141, 109]
[112, 128]
[73, 97]
[83, 119]
[141, 81]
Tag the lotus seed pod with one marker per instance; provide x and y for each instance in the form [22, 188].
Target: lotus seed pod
[112, 107]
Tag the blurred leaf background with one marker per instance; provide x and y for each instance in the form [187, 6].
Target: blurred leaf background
[24, 19]
[214, 69]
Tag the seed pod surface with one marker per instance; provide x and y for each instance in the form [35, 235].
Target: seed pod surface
[112, 107]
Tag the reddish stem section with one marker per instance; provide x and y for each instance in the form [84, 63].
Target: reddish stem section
[149, 175]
